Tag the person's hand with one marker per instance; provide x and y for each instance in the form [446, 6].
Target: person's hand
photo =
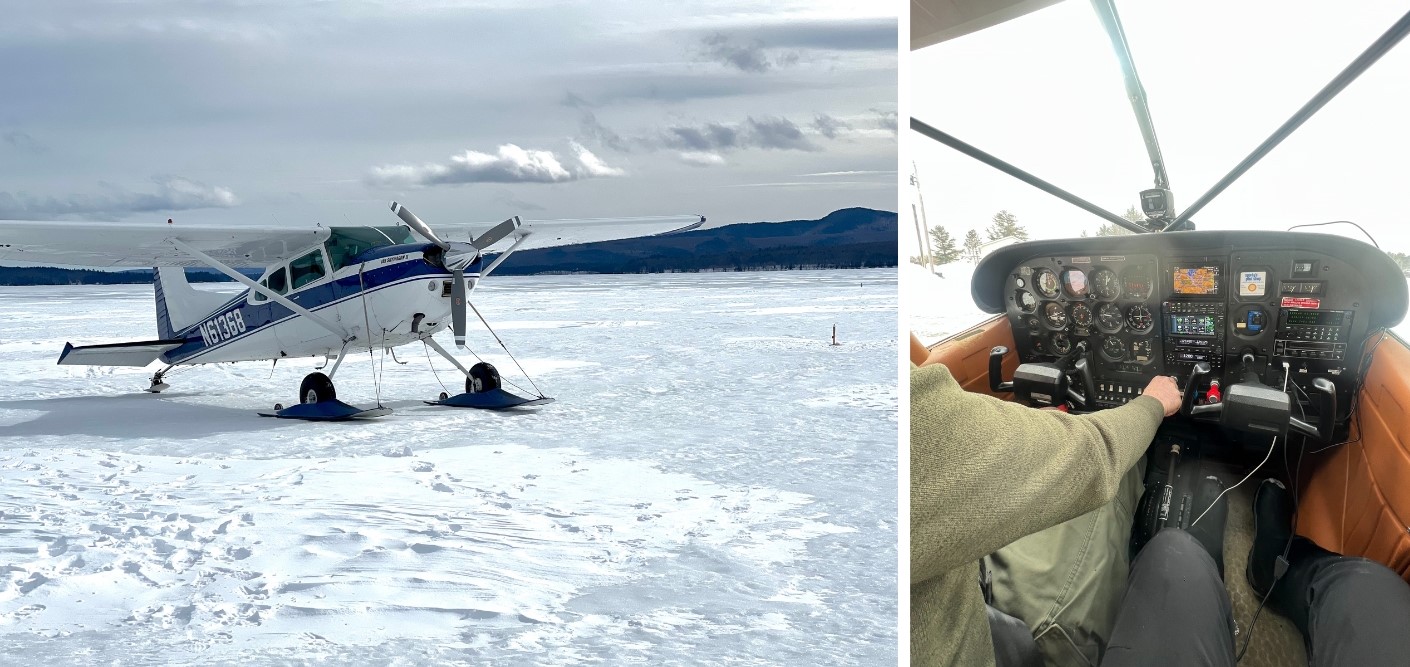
[1162, 388]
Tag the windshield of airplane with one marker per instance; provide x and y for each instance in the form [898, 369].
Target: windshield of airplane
[345, 243]
[1045, 93]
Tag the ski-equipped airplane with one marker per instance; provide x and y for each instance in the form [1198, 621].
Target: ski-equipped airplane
[325, 291]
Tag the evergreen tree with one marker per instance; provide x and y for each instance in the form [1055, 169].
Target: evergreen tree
[1005, 224]
[972, 245]
[943, 245]
[1114, 229]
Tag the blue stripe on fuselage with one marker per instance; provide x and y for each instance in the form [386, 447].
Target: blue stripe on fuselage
[258, 316]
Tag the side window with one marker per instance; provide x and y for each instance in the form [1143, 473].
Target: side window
[276, 281]
[306, 269]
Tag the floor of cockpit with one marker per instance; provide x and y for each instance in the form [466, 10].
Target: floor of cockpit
[1276, 641]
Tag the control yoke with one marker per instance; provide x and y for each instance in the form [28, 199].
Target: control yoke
[1257, 408]
[1046, 383]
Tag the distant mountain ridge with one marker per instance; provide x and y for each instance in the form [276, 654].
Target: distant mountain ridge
[844, 239]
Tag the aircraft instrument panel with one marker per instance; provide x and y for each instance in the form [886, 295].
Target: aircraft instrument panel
[1156, 304]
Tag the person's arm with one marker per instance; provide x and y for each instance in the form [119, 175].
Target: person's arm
[985, 472]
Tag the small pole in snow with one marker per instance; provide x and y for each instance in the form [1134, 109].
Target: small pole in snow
[834, 335]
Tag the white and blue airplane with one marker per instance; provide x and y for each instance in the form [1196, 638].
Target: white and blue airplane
[325, 292]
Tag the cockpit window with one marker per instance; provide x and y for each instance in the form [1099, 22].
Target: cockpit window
[346, 243]
[307, 269]
[277, 281]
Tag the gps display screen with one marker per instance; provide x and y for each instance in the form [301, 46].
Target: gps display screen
[1190, 325]
[1196, 281]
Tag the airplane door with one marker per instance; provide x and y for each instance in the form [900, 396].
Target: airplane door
[966, 354]
[1356, 500]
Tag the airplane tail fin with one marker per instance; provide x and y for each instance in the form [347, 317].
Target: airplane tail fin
[179, 305]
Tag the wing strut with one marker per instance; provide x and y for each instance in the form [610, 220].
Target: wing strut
[986, 158]
[503, 256]
[244, 280]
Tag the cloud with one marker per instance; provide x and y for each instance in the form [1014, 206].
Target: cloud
[744, 56]
[874, 34]
[769, 132]
[828, 126]
[509, 164]
[601, 133]
[778, 133]
[593, 166]
[886, 119]
[701, 158]
[173, 193]
[707, 137]
[22, 142]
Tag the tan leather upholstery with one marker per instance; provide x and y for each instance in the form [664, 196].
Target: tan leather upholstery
[1356, 501]
[967, 354]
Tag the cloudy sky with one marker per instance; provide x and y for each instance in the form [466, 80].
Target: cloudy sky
[1045, 93]
[301, 111]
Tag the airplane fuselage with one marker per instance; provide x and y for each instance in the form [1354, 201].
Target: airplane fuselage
[376, 299]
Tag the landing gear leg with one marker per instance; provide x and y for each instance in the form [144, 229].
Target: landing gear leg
[157, 384]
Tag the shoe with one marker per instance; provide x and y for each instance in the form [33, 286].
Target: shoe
[1272, 527]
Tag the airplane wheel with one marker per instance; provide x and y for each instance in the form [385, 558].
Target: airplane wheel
[483, 377]
[316, 388]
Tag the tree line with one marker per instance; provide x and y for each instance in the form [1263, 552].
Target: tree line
[946, 249]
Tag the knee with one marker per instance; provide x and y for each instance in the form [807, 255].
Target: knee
[1356, 578]
[1175, 550]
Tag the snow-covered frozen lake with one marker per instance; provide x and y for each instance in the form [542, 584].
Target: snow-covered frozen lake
[715, 485]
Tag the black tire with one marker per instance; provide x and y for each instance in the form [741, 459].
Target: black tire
[483, 374]
[318, 387]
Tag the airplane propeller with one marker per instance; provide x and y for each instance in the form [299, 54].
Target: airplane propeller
[457, 256]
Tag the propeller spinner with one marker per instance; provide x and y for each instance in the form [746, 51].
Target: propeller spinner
[457, 255]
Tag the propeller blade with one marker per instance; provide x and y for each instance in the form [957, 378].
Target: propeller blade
[419, 227]
[457, 306]
[496, 233]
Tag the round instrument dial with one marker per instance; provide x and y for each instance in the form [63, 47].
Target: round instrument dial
[1081, 315]
[1074, 283]
[1105, 285]
[1139, 319]
[1109, 318]
[1047, 283]
[1061, 343]
[1026, 301]
[1136, 281]
[1054, 315]
[1114, 348]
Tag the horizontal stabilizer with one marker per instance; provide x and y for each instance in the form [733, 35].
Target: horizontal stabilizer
[136, 353]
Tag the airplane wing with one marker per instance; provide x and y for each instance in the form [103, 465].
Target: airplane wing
[549, 233]
[131, 244]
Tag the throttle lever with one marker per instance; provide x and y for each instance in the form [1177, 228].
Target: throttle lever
[1187, 398]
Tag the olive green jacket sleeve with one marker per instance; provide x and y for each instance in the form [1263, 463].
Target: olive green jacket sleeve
[985, 472]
